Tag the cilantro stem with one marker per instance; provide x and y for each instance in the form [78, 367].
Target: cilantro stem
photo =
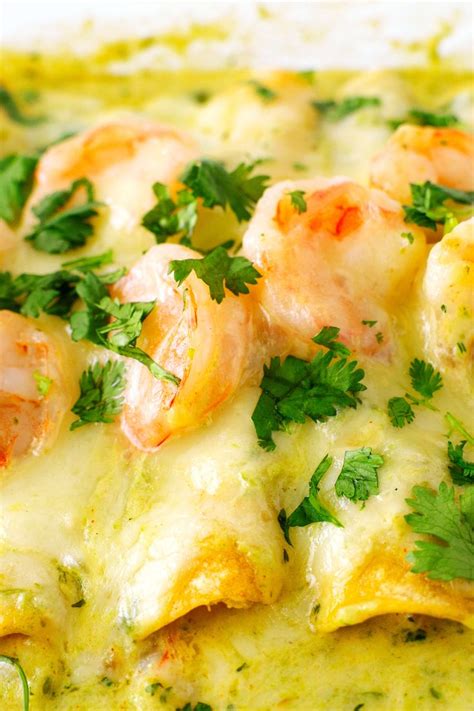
[24, 681]
[455, 424]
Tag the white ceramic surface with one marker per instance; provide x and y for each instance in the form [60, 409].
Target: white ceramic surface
[268, 34]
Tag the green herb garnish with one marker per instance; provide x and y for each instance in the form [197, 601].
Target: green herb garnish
[23, 679]
[359, 474]
[16, 181]
[58, 229]
[171, 217]
[218, 270]
[451, 554]
[101, 397]
[295, 389]
[310, 510]
[337, 110]
[429, 208]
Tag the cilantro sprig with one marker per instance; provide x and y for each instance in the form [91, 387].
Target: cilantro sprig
[420, 117]
[93, 323]
[434, 204]
[451, 554]
[13, 111]
[461, 470]
[337, 110]
[209, 180]
[359, 474]
[101, 396]
[59, 230]
[25, 688]
[218, 269]
[171, 217]
[263, 91]
[426, 381]
[295, 389]
[16, 181]
[310, 510]
[298, 201]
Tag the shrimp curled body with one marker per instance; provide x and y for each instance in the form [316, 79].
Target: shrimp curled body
[204, 343]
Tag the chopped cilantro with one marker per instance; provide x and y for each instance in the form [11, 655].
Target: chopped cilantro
[337, 110]
[327, 337]
[79, 603]
[424, 378]
[60, 230]
[359, 476]
[310, 510]
[298, 201]
[16, 181]
[120, 335]
[153, 687]
[379, 337]
[4, 659]
[43, 383]
[85, 264]
[461, 470]
[295, 389]
[400, 412]
[264, 92]
[209, 180]
[408, 236]
[13, 111]
[368, 323]
[101, 397]
[170, 217]
[461, 347]
[429, 209]
[218, 270]
[457, 425]
[452, 524]
[427, 118]
[443, 308]
[200, 706]
[426, 381]
[105, 681]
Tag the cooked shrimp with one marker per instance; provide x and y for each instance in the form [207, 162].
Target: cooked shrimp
[122, 159]
[415, 154]
[340, 262]
[448, 290]
[28, 358]
[204, 343]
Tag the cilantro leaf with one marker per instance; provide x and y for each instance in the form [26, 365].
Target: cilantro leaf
[420, 117]
[4, 659]
[457, 425]
[85, 264]
[101, 397]
[337, 110]
[426, 381]
[400, 412]
[264, 92]
[16, 181]
[461, 470]
[298, 201]
[13, 111]
[438, 515]
[359, 478]
[119, 335]
[310, 510]
[169, 217]
[429, 209]
[217, 269]
[327, 337]
[295, 389]
[424, 378]
[61, 230]
[209, 180]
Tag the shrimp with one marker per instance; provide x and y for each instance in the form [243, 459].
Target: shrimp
[29, 415]
[122, 159]
[448, 303]
[415, 154]
[340, 262]
[204, 343]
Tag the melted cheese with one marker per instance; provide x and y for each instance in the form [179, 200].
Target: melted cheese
[143, 539]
